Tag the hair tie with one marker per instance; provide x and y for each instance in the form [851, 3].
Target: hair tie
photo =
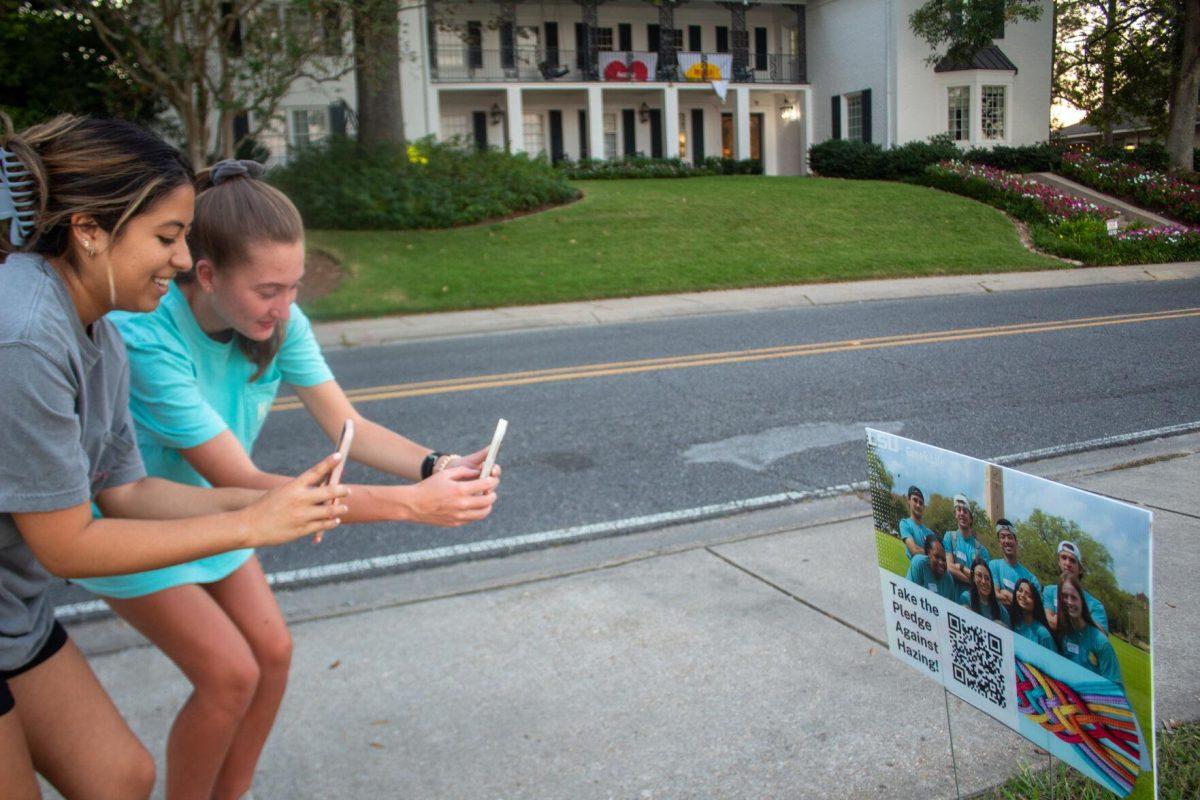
[235, 168]
[16, 197]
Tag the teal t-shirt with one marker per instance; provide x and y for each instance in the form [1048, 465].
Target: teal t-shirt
[963, 551]
[1036, 632]
[1090, 648]
[1006, 575]
[964, 598]
[185, 388]
[1099, 615]
[920, 574]
[910, 529]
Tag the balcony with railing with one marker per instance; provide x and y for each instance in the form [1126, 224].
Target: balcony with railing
[468, 64]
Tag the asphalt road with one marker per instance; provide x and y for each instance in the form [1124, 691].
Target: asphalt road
[583, 448]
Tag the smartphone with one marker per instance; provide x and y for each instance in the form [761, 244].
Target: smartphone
[493, 449]
[343, 448]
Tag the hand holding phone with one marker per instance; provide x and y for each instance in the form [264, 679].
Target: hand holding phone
[490, 460]
[335, 475]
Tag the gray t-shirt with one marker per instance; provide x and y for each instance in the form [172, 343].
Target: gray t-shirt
[65, 432]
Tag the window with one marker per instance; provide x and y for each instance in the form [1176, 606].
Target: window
[535, 134]
[309, 125]
[455, 126]
[854, 117]
[610, 136]
[604, 39]
[677, 38]
[991, 116]
[958, 123]
[451, 50]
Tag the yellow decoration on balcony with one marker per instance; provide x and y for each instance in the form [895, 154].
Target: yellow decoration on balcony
[703, 71]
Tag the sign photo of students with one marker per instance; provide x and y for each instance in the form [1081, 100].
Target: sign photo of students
[1026, 598]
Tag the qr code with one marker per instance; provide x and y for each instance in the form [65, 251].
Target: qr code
[977, 657]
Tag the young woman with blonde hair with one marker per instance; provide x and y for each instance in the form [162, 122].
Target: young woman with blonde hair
[92, 218]
[205, 367]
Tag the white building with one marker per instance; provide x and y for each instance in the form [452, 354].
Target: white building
[582, 78]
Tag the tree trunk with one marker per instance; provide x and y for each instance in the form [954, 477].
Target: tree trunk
[1181, 121]
[1108, 74]
[377, 72]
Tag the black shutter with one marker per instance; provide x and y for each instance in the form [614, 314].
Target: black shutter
[583, 136]
[474, 44]
[580, 46]
[697, 135]
[551, 44]
[479, 123]
[508, 46]
[337, 120]
[241, 122]
[656, 133]
[652, 38]
[556, 137]
[760, 48]
[624, 36]
[629, 126]
[694, 40]
[866, 115]
[835, 109]
[998, 19]
[722, 39]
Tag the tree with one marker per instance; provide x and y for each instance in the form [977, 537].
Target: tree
[1185, 84]
[377, 72]
[50, 64]
[1113, 60]
[217, 58]
[958, 29]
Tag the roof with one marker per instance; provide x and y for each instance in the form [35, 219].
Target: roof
[988, 58]
[1121, 126]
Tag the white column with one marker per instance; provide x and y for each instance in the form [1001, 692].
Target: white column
[595, 121]
[515, 120]
[808, 129]
[671, 123]
[434, 111]
[741, 122]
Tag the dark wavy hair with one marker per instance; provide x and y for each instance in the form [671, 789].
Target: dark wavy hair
[110, 169]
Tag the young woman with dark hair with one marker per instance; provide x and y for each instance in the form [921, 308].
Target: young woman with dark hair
[981, 597]
[1028, 616]
[94, 215]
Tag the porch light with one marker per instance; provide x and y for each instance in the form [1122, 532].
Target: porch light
[497, 114]
[644, 113]
[789, 112]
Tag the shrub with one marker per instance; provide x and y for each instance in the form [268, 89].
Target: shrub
[910, 160]
[642, 167]
[1087, 240]
[842, 158]
[426, 184]
[1042, 157]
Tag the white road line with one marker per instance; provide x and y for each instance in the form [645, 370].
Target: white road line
[514, 544]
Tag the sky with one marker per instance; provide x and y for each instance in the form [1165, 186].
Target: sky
[1122, 528]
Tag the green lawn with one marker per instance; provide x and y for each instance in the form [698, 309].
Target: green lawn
[643, 237]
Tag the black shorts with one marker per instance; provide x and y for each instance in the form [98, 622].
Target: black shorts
[58, 637]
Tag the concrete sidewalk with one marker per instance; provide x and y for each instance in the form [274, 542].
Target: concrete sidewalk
[734, 658]
[416, 327]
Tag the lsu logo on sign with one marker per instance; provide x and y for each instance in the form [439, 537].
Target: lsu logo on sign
[883, 441]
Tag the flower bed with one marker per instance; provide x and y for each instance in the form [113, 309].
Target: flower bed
[1062, 225]
[1055, 206]
[1143, 187]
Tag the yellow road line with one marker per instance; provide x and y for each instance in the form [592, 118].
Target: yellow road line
[477, 382]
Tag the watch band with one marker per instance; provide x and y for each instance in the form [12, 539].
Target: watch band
[428, 464]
